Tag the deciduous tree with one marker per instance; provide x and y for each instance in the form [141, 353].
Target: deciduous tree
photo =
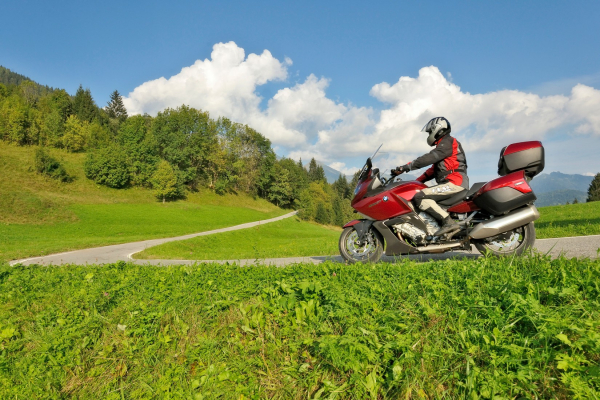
[165, 182]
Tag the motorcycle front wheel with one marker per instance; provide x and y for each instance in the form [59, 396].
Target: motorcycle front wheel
[350, 249]
[513, 242]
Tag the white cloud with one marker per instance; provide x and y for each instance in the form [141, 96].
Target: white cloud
[302, 121]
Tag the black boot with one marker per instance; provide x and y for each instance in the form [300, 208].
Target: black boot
[448, 226]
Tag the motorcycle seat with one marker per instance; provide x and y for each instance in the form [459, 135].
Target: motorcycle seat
[450, 201]
[458, 197]
[476, 186]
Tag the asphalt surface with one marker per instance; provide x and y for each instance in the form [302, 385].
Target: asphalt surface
[579, 246]
[123, 252]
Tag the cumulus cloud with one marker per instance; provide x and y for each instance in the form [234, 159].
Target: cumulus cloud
[302, 121]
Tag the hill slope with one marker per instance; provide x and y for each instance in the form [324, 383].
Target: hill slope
[39, 215]
[8, 77]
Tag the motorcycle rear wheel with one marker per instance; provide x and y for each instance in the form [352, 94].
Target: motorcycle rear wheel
[520, 239]
[371, 251]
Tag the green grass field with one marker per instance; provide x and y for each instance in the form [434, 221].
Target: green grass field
[569, 220]
[523, 328]
[290, 237]
[40, 216]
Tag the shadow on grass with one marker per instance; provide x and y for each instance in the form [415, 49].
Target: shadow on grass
[565, 223]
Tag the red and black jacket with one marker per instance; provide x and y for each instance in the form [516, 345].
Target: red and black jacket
[449, 163]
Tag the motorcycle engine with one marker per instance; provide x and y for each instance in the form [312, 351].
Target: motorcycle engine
[411, 231]
[430, 222]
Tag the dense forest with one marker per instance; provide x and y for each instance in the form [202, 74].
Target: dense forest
[177, 151]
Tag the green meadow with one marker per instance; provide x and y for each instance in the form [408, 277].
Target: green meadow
[581, 219]
[290, 237]
[522, 328]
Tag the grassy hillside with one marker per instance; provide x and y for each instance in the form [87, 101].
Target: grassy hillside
[39, 215]
[287, 238]
[488, 328]
[569, 220]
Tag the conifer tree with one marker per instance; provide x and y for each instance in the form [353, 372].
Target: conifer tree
[342, 187]
[84, 106]
[316, 173]
[115, 108]
[594, 189]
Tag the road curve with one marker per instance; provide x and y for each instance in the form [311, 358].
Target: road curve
[123, 252]
[578, 246]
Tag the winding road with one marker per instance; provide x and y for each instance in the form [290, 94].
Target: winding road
[580, 246]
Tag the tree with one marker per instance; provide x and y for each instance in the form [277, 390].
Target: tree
[165, 183]
[185, 137]
[76, 134]
[342, 187]
[141, 148]
[594, 189]
[84, 106]
[575, 201]
[316, 173]
[281, 191]
[108, 166]
[115, 108]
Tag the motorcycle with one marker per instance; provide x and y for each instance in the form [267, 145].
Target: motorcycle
[497, 216]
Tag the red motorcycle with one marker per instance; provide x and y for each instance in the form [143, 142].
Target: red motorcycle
[495, 216]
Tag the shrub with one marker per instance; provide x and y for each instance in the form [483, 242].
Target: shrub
[108, 166]
[47, 165]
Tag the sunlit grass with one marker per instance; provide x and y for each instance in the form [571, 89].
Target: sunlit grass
[287, 238]
[455, 329]
[569, 220]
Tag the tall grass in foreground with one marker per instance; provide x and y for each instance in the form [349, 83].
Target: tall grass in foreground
[485, 328]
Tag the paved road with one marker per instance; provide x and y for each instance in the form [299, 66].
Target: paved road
[123, 252]
[581, 246]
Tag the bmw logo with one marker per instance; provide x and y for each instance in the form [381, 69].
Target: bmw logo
[385, 198]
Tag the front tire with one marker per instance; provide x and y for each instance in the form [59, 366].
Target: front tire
[514, 242]
[371, 251]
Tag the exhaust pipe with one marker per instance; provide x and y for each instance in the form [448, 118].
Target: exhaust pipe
[512, 220]
[438, 248]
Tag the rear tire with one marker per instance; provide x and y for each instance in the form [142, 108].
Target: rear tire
[371, 251]
[521, 239]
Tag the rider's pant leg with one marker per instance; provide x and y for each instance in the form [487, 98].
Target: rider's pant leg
[427, 200]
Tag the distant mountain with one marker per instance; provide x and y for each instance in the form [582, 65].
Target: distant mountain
[332, 174]
[557, 188]
[554, 181]
[559, 197]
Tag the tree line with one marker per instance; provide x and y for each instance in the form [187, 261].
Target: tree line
[179, 150]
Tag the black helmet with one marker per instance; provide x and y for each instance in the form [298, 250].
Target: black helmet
[436, 128]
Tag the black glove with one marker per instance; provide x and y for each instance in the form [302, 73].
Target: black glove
[400, 170]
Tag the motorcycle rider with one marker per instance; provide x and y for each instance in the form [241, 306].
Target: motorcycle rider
[449, 170]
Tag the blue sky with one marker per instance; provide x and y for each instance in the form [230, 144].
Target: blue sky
[545, 48]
